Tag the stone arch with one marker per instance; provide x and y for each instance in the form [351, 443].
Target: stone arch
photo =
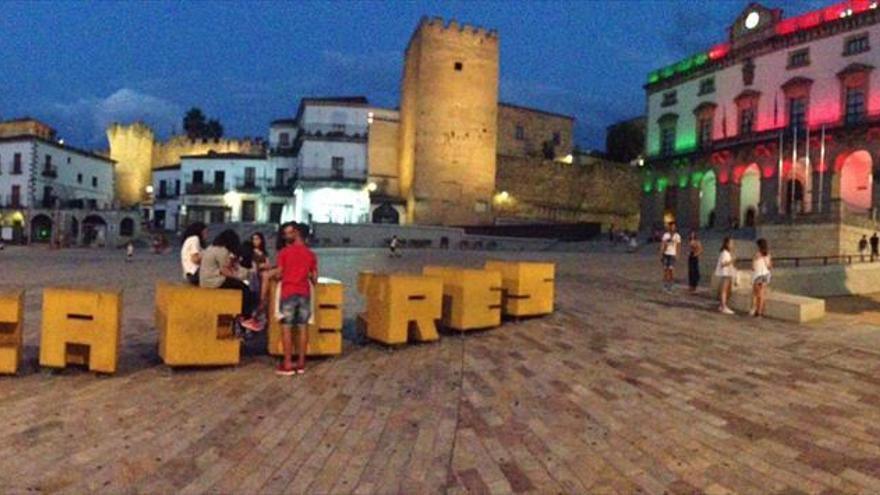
[856, 180]
[94, 230]
[749, 195]
[386, 213]
[41, 228]
[708, 199]
[126, 227]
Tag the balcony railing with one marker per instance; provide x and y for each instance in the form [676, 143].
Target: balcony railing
[249, 186]
[205, 188]
[281, 189]
[50, 172]
[331, 174]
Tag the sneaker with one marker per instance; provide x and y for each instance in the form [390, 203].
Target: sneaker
[726, 311]
[752, 312]
[282, 370]
[252, 324]
[300, 370]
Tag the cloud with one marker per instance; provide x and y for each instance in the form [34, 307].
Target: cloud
[375, 74]
[88, 118]
[695, 26]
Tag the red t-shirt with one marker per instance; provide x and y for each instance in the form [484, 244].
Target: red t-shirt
[296, 262]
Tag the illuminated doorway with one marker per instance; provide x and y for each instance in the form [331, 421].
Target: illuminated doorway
[856, 181]
[708, 196]
[749, 195]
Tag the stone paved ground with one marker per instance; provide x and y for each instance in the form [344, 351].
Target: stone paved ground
[623, 390]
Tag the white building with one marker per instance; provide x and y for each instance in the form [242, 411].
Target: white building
[733, 133]
[44, 183]
[221, 188]
[330, 160]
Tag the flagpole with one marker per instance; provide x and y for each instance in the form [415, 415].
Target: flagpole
[791, 179]
[821, 168]
[779, 174]
[808, 180]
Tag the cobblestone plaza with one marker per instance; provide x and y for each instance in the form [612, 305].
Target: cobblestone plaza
[624, 389]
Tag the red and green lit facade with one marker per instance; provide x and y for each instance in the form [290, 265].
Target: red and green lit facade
[721, 124]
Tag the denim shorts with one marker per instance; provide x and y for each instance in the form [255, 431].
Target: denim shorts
[762, 279]
[296, 310]
[668, 261]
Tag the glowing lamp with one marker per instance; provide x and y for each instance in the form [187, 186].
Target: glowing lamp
[372, 187]
[752, 20]
[149, 189]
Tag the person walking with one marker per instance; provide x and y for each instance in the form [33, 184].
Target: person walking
[761, 266]
[129, 252]
[670, 244]
[695, 250]
[394, 247]
[725, 271]
[875, 246]
[863, 247]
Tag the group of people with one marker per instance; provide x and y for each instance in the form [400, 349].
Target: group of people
[875, 246]
[227, 263]
[725, 268]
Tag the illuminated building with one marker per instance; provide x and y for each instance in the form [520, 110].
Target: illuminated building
[780, 122]
[51, 191]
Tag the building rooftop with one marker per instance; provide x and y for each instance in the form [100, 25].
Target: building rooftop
[175, 166]
[536, 110]
[50, 142]
[213, 155]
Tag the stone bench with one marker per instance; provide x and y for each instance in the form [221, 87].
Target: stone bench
[195, 325]
[471, 298]
[11, 329]
[81, 327]
[401, 307]
[781, 305]
[325, 326]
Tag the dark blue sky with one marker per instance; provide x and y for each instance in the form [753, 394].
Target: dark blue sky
[80, 66]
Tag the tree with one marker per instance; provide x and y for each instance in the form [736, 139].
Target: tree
[194, 123]
[625, 141]
[213, 129]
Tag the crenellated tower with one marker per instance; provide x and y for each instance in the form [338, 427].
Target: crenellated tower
[448, 123]
[132, 148]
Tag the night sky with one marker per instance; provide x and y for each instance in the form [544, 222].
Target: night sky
[80, 66]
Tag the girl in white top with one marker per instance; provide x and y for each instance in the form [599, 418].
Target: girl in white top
[191, 251]
[725, 271]
[761, 266]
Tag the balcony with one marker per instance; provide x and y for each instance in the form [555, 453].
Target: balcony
[50, 172]
[332, 174]
[196, 188]
[249, 186]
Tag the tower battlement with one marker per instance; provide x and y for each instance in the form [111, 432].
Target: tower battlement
[453, 27]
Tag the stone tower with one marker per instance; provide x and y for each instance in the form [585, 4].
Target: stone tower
[448, 123]
[132, 148]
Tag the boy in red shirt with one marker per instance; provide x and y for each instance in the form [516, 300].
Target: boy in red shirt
[298, 267]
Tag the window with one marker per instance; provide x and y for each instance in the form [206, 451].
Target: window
[16, 163]
[219, 178]
[48, 162]
[669, 98]
[704, 132]
[163, 189]
[79, 178]
[177, 187]
[284, 139]
[250, 176]
[856, 44]
[855, 105]
[275, 210]
[198, 176]
[557, 138]
[458, 66]
[707, 86]
[15, 200]
[248, 211]
[68, 159]
[94, 182]
[799, 58]
[340, 128]
[797, 113]
[746, 120]
[280, 177]
[520, 133]
[47, 197]
[667, 138]
[337, 162]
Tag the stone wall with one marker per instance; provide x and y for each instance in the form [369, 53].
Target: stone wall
[448, 118]
[821, 239]
[537, 127]
[547, 191]
[137, 153]
[382, 153]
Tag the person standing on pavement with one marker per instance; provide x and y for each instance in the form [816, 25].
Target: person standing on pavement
[670, 245]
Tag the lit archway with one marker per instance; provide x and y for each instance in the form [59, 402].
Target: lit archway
[749, 195]
[41, 228]
[856, 181]
[708, 196]
[126, 227]
[94, 230]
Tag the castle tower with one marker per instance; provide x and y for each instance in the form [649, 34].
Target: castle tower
[448, 123]
[132, 148]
